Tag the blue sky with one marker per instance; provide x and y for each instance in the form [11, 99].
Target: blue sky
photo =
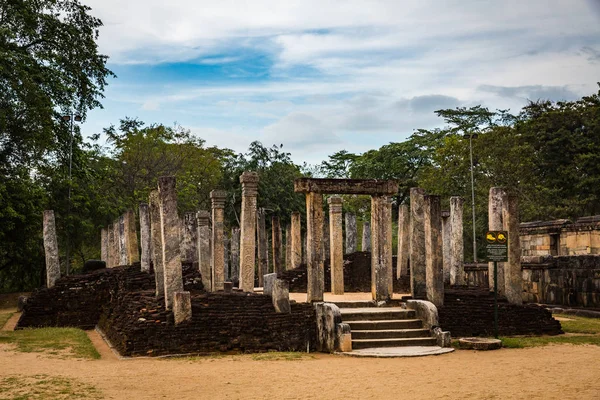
[322, 76]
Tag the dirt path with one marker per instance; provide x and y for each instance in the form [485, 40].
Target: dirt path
[12, 322]
[552, 372]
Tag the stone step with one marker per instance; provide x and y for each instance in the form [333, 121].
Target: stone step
[356, 304]
[387, 324]
[390, 333]
[376, 314]
[368, 343]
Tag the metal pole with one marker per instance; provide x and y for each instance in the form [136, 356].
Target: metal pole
[496, 299]
[473, 200]
[68, 266]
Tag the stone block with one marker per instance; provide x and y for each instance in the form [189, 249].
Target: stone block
[268, 283]
[344, 337]
[443, 338]
[426, 311]
[328, 316]
[280, 295]
[182, 307]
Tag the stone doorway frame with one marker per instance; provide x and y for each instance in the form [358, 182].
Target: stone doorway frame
[381, 230]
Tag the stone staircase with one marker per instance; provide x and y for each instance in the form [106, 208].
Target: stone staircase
[375, 327]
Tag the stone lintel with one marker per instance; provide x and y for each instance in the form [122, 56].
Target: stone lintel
[346, 186]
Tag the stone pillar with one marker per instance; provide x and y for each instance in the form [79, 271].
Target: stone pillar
[417, 244]
[381, 252]
[218, 198]
[304, 249]
[276, 239]
[145, 236]
[446, 237]
[189, 238]
[314, 242]
[433, 250]
[104, 245]
[182, 307]
[227, 259]
[497, 201]
[288, 247]
[116, 245]
[336, 254]
[513, 275]
[235, 257]
[403, 240]
[249, 181]
[110, 261]
[171, 250]
[350, 233]
[366, 236]
[204, 249]
[326, 245]
[296, 241]
[457, 256]
[263, 247]
[122, 240]
[51, 249]
[156, 238]
[131, 240]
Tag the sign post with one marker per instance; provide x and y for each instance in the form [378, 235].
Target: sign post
[497, 251]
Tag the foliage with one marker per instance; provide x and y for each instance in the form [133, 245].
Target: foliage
[57, 341]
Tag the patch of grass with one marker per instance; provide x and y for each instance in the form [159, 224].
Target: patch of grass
[580, 324]
[45, 387]
[70, 342]
[281, 356]
[522, 342]
[4, 317]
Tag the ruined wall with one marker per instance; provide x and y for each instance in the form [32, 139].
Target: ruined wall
[470, 312]
[560, 237]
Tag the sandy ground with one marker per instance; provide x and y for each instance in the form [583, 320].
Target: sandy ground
[552, 372]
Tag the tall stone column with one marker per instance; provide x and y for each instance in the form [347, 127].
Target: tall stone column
[433, 250]
[457, 256]
[513, 275]
[235, 256]
[218, 198]
[276, 239]
[305, 249]
[296, 241]
[116, 244]
[314, 242]
[351, 233]
[226, 257]
[417, 244]
[203, 218]
[122, 240]
[104, 245]
[189, 238]
[336, 255]
[156, 238]
[51, 249]
[131, 240]
[381, 251]
[171, 250]
[249, 181]
[403, 240]
[288, 247]
[366, 236]
[145, 236]
[326, 248]
[446, 239]
[263, 246]
[497, 201]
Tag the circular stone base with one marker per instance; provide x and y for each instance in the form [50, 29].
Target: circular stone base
[474, 343]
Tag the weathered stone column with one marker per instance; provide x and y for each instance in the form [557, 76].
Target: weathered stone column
[263, 247]
[296, 241]
[116, 244]
[351, 233]
[276, 239]
[171, 250]
[513, 276]
[218, 198]
[249, 181]
[417, 244]
[110, 231]
[497, 201]
[336, 255]
[203, 218]
[457, 256]
[189, 238]
[314, 242]
[235, 257]
[288, 248]
[305, 249]
[366, 236]
[104, 245]
[51, 249]
[122, 240]
[226, 258]
[156, 238]
[326, 249]
[403, 240]
[446, 238]
[131, 240]
[182, 307]
[145, 236]
[433, 250]
[381, 251]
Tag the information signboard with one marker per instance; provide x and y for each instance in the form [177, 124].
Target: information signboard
[496, 246]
